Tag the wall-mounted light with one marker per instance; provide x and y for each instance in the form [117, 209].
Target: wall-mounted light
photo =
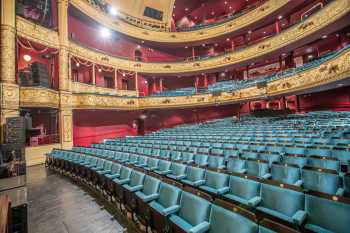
[99, 70]
[113, 11]
[77, 64]
[105, 32]
[124, 74]
[27, 58]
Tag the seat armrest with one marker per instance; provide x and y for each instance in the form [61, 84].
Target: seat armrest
[254, 201]
[299, 183]
[180, 177]
[125, 181]
[299, 217]
[243, 171]
[266, 176]
[223, 190]
[340, 192]
[200, 228]
[170, 210]
[221, 167]
[136, 188]
[190, 161]
[151, 197]
[198, 182]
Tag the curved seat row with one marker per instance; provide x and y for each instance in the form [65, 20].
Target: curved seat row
[183, 211]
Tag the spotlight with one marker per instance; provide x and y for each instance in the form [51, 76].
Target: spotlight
[113, 11]
[105, 32]
[27, 57]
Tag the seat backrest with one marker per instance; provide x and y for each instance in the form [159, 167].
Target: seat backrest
[226, 221]
[136, 178]
[169, 195]
[164, 165]
[125, 172]
[194, 209]
[255, 168]
[152, 162]
[216, 180]
[301, 161]
[346, 183]
[320, 181]
[178, 169]
[150, 185]
[215, 161]
[324, 163]
[200, 159]
[331, 215]
[107, 165]
[244, 188]
[194, 173]
[116, 168]
[236, 165]
[285, 174]
[283, 200]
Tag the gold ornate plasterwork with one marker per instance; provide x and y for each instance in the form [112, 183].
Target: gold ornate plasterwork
[241, 22]
[38, 97]
[331, 13]
[36, 33]
[9, 96]
[325, 17]
[78, 87]
[333, 70]
[8, 45]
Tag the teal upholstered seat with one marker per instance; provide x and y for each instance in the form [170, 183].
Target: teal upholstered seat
[318, 180]
[216, 183]
[178, 171]
[142, 161]
[187, 157]
[236, 165]
[124, 177]
[194, 176]
[136, 181]
[201, 160]
[301, 161]
[270, 157]
[107, 166]
[150, 189]
[286, 174]
[244, 191]
[226, 221]
[282, 203]
[193, 215]
[168, 200]
[115, 171]
[326, 216]
[324, 163]
[163, 167]
[216, 162]
[152, 164]
[258, 168]
[133, 159]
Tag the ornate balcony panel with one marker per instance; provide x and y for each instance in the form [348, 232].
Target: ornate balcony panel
[38, 97]
[119, 25]
[331, 71]
[78, 87]
[36, 33]
[326, 17]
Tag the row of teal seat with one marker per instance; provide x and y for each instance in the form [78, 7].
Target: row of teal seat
[310, 179]
[318, 214]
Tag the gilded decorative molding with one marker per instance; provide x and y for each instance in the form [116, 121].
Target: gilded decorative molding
[325, 17]
[78, 87]
[8, 60]
[38, 97]
[119, 25]
[9, 96]
[333, 70]
[36, 33]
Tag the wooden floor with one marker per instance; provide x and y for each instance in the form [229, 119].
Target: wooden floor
[58, 206]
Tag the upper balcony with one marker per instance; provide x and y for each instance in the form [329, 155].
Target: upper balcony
[144, 30]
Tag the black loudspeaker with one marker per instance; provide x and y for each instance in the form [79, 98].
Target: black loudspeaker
[15, 131]
[40, 74]
[261, 84]
[20, 219]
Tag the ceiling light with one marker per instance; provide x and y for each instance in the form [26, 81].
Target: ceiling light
[99, 70]
[324, 36]
[27, 57]
[310, 56]
[113, 11]
[138, 46]
[105, 32]
[227, 39]
[186, 9]
[249, 31]
[280, 17]
[124, 74]
[77, 64]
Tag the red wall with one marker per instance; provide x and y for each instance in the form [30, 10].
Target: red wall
[92, 126]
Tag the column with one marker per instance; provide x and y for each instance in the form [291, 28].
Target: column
[277, 27]
[116, 78]
[93, 75]
[161, 84]
[9, 105]
[137, 85]
[65, 111]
